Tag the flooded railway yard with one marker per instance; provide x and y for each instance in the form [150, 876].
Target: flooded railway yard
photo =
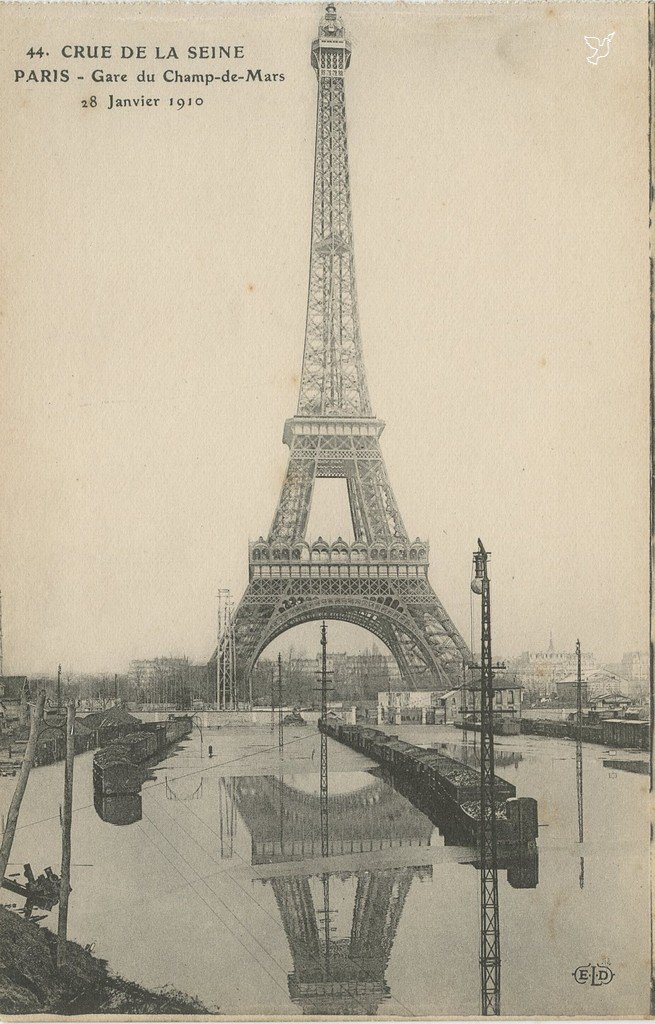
[219, 885]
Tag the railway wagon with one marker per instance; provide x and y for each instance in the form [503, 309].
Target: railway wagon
[115, 772]
[622, 732]
[544, 727]
[614, 732]
[168, 732]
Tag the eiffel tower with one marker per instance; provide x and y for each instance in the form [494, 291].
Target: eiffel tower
[380, 581]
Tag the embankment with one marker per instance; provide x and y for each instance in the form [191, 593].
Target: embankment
[30, 982]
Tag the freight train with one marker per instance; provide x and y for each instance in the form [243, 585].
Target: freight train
[442, 782]
[611, 732]
[119, 767]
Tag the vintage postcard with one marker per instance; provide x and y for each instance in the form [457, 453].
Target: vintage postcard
[324, 562]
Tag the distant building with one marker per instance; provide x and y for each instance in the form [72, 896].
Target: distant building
[540, 671]
[160, 681]
[14, 693]
[635, 666]
[593, 684]
[567, 690]
[430, 706]
[508, 697]
[396, 706]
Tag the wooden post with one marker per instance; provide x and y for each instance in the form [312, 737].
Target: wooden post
[21, 785]
[64, 884]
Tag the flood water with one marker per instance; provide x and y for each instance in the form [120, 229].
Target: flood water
[221, 890]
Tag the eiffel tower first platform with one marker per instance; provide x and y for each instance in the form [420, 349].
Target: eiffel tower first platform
[380, 581]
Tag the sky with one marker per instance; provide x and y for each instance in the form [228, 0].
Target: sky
[155, 287]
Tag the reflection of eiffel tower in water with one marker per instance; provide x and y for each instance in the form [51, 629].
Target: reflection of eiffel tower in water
[345, 973]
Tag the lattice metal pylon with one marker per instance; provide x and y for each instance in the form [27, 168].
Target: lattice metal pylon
[380, 581]
[489, 915]
[226, 688]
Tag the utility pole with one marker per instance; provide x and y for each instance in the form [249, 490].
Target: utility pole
[36, 716]
[280, 720]
[578, 760]
[489, 920]
[64, 884]
[2, 660]
[58, 687]
[272, 699]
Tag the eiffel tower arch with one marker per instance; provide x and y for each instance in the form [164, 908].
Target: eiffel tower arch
[380, 581]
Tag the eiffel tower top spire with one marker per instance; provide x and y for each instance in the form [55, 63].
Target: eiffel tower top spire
[333, 381]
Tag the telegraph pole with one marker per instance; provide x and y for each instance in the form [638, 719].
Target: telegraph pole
[272, 699]
[58, 687]
[280, 720]
[464, 704]
[489, 920]
[64, 884]
[36, 717]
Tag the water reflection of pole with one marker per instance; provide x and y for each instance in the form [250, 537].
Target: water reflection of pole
[281, 794]
[226, 816]
[220, 816]
[324, 756]
[464, 707]
[578, 760]
[280, 721]
[325, 836]
[233, 815]
[489, 920]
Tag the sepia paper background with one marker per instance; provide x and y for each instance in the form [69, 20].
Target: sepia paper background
[154, 288]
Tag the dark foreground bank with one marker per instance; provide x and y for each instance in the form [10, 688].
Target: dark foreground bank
[30, 982]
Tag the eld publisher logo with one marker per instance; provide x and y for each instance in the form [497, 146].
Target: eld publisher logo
[596, 974]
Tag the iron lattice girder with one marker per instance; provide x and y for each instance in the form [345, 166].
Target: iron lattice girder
[337, 447]
[333, 379]
[407, 616]
[380, 581]
[489, 923]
